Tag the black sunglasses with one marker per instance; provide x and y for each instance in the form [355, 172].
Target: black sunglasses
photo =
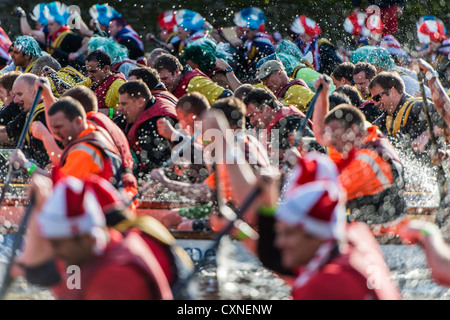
[377, 97]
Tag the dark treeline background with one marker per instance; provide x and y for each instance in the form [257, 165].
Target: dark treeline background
[330, 14]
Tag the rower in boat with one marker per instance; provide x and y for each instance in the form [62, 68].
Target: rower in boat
[113, 264]
[24, 94]
[24, 52]
[139, 113]
[90, 152]
[248, 148]
[370, 169]
[311, 211]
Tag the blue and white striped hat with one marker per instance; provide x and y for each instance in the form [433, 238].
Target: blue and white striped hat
[251, 18]
[38, 14]
[57, 11]
[190, 20]
[103, 13]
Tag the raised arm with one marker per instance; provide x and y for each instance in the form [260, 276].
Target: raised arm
[320, 110]
[440, 98]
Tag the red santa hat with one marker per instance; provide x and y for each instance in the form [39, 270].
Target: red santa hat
[78, 207]
[303, 24]
[355, 23]
[315, 200]
[167, 20]
[375, 26]
[431, 30]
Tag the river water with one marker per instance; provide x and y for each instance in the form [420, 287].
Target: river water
[238, 275]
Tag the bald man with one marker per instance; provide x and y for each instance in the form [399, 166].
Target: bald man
[24, 94]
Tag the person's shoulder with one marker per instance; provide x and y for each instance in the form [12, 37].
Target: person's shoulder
[118, 281]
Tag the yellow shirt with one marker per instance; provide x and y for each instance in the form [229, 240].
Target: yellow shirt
[205, 86]
[112, 96]
[297, 95]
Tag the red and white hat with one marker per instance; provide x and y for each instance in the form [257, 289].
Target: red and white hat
[355, 23]
[375, 26]
[303, 24]
[315, 199]
[431, 30]
[167, 20]
[77, 207]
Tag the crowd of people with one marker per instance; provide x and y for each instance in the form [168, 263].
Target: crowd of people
[316, 131]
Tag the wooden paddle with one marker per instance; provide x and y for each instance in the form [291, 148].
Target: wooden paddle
[21, 141]
[441, 176]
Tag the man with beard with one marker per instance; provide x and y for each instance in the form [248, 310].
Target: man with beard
[24, 52]
[103, 81]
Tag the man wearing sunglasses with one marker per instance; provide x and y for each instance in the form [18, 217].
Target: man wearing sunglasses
[404, 115]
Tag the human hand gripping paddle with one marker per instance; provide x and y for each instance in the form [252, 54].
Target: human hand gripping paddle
[18, 238]
[149, 183]
[441, 176]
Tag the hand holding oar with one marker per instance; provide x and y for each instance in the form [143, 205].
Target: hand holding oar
[21, 141]
[149, 183]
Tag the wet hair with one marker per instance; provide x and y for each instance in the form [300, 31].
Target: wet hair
[168, 62]
[148, 75]
[45, 61]
[347, 116]
[242, 91]
[352, 93]
[337, 98]
[136, 89]
[193, 102]
[344, 70]
[102, 57]
[7, 80]
[69, 106]
[234, 109]
[261, 97]
[369, 69]
[388, 80]
[85, 96]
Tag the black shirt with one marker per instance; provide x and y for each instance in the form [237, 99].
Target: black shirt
[416, 122]
[8, 113]
[371, 112]
[34, 149]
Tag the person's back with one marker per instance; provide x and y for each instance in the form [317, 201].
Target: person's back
[354, 263]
